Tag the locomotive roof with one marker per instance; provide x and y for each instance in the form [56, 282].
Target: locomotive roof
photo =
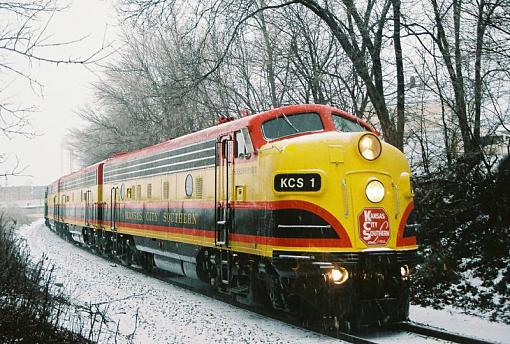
[252, 122]
[83, 170]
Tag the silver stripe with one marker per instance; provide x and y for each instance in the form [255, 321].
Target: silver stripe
[377, 249]
[166, 253]
[294, 257]
[79, 181]
[304, 226]
[75, 182]
[170, 151]
[113, 180]
[153, 168]
[108, 172]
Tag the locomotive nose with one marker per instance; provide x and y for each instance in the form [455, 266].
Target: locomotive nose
[379, 191]
[363, 182]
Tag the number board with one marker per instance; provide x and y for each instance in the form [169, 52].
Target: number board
[293, 182]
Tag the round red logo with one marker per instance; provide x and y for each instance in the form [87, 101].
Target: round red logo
[374, 226]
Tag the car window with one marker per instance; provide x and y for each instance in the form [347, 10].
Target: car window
[344, 124]
[286, 125]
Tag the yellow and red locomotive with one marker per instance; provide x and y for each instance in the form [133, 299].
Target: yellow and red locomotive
[301, 206]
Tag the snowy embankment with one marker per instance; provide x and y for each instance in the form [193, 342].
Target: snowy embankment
[146, 310]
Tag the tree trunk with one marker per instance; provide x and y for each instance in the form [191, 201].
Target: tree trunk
[271, 78]
[400, 73]
[375, 88]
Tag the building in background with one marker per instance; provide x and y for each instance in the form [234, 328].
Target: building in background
[29, 200]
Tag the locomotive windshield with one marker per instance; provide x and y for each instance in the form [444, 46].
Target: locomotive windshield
[285, 125]
[343, 124]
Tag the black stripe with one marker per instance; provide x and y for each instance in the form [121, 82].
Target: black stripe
[283, 223]
[258, 222]
[411, 228]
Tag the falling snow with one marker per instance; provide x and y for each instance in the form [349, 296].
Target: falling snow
[148, 310]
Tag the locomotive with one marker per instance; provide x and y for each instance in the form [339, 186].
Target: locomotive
[302, 207]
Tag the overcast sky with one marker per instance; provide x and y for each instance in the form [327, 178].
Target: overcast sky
[66, 89]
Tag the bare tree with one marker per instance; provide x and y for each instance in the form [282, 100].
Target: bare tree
[144, 91]
[469, 36]
[360, 30]
[24, 40]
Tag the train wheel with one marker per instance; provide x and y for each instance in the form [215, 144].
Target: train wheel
[126, 257]
[147, 261]
[102, 244]
[68, 235]
[256, 293]
[106, 244]
[94, 241]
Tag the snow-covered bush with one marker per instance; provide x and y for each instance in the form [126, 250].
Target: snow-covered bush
[31, 307]
[464, 240]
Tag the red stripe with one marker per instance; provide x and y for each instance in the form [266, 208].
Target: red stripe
[408, 241]
[168, 229]
[79, 220]
[290, 242]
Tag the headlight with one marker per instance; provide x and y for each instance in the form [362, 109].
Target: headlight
[369, 146]
[339, 275]
[405, 271]
[375, 191]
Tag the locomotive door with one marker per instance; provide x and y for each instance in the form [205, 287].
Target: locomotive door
[46, 215]
[62, 209]
[88, 210]
[224, 182]
[113, 208]
[55, 208]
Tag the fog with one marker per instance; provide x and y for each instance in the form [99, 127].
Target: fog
[65, 88]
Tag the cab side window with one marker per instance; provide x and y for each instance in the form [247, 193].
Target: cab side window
[244, 144]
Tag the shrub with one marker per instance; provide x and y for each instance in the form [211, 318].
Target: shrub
[463, 239]
[31, 308]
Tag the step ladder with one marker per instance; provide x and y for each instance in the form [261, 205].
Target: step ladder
[225, 272]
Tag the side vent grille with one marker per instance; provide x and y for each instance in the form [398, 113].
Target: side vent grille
[166, 190]
[199, 187]
[149, 191]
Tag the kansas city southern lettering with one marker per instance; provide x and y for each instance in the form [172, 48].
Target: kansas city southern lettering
[134, 216]
[180, 218]
[166, 217]
[151, 216]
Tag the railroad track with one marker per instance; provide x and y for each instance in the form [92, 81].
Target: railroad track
[439, 334]
[425, 332]
[356, 338]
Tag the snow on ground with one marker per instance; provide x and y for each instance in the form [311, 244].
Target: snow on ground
[147, 310]
[166, 313]
[452, 320]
